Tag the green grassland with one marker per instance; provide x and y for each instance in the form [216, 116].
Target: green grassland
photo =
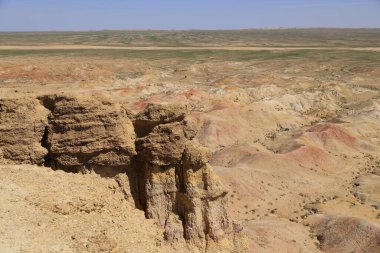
[331, 39]
[368, 57]
[250, 37]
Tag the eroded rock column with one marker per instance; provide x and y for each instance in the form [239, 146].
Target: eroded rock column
[179, 187]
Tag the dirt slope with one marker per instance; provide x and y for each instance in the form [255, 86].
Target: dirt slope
[53, 211]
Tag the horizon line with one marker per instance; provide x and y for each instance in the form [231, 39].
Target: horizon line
[197, 29]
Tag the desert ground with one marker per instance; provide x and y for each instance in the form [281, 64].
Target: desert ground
[290, 117]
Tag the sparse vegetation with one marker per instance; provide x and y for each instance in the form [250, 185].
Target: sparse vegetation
[249, 37]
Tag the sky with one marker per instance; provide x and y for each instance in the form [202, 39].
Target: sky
[48, 15]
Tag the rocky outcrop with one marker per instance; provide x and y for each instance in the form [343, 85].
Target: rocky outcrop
[178, 187]
[88, 134]
[164, 169]
[22, 127]
[155, 114]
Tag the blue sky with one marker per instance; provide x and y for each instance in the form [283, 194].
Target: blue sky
[40, 15]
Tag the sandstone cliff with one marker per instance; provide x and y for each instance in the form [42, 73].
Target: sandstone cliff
[88, 134]
[168, 172]
[179, 187]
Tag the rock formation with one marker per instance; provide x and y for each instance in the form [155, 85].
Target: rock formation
[179, 188]
[88, 134]
[155, 114]
[169, 175]
[22, 127]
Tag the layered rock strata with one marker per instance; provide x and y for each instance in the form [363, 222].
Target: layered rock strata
[168, 172]
[22, 128]
[87, 134]
[179, 187]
